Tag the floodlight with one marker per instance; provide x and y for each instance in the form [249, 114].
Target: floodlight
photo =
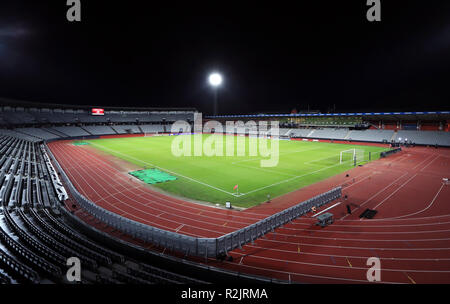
[215, 79]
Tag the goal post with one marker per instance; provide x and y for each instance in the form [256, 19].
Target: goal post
[353, 156]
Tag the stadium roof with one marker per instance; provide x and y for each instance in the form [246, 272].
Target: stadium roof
[28, 104]
[431, 115]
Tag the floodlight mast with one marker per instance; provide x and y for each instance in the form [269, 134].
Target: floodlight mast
[215, 80]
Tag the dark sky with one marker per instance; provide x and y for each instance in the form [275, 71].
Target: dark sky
[274, 56]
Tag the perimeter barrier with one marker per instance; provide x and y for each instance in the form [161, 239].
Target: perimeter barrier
[387, 153]
[202, 247]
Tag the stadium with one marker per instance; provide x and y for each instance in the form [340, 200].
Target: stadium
[70, 186]
[224, 153]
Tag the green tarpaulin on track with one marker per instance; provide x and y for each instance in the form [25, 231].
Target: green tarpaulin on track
[152, 176]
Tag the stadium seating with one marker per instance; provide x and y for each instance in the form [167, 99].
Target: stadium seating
[440, 138]
[21, 117]
[329, 121]
[371, 135]
[37, 132]
[127, 129]
[70, 131]
[19, 135]
[42, 241]
[424, 137]
[99, 130]
[152, 128]
[298, 132]
[329, 133]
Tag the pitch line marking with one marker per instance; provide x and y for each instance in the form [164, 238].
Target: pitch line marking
[420, 211]
[179, 227]
[265, 170]
[319, 159]
[396, 190]
[338, 203]
[305, 274]
[331, 255]
[376, 194]
[125, 212]
[144, 162]
[429, 163]
[296, 262]
[99, 160]
[260, 158]
[290, 179]
[426, 158]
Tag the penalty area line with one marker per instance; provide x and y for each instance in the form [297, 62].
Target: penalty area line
[291, 179]
[147, 163]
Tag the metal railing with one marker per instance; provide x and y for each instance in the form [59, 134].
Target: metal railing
[203, 247]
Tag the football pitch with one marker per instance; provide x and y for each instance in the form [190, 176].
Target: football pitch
[214, 178]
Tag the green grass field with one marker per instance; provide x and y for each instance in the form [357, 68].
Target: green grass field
[212, 179]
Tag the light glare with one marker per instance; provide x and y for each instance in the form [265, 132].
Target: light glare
[215, 79]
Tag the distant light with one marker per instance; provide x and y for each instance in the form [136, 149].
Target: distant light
[399, 138]
[215, 79]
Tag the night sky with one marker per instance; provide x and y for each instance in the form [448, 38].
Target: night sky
[274, 56]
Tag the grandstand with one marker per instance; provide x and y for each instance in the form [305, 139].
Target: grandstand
[421, 128]
[46, 219]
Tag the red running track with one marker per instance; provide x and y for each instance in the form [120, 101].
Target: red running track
[410, 234]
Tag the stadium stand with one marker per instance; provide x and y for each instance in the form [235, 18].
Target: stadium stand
[332, 121]
[424, 137]
[70, 131]
[37, 132]
[440, 138]
[298, 132]
[371, 135]
[38, 233]
[152, 128]
[44, 240]
[99, 130]
[127, 129]
[329, 133]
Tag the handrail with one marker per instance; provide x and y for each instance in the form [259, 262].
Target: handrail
[203, 247]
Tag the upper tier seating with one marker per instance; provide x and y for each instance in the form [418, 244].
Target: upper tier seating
[59, 116]
[329, 133]
[371, 135]
[125, 129]
[152, 128]
[15, 134]
[71, 131]
[99, 130]
[37, 132]
[424, 137]
[330, 121]
[298, 132]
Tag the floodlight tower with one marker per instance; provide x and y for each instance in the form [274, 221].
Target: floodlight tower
[215, 80]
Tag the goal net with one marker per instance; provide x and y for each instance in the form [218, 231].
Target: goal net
[352, 156]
